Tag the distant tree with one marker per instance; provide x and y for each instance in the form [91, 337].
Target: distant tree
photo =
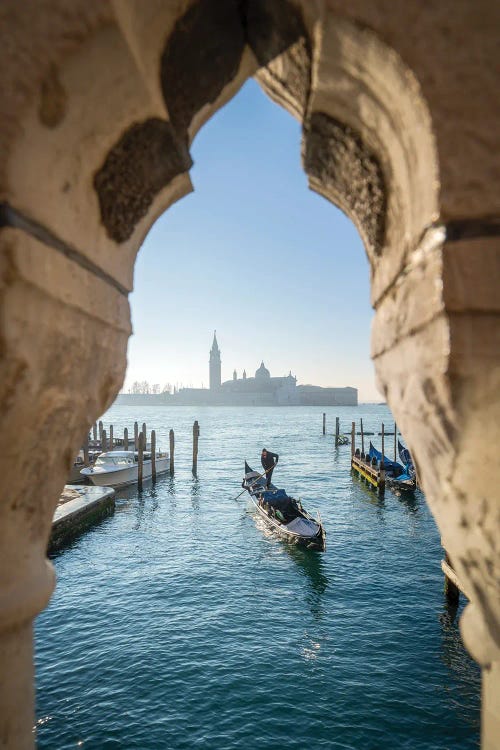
[167, 388]
[155, 388]
[140, 387]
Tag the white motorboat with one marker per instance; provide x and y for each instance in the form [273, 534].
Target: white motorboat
[120, 468]
[75, 475]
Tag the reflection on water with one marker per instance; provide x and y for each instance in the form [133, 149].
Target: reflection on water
[311, 566]
[139, 511]
[195, 492]
[144, 502]
[408, 500]
[369, 494]
[464, 673]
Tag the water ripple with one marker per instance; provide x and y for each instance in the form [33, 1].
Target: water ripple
[181, 622]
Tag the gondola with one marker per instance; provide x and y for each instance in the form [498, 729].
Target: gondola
[406, 459]
[283, 514]
[397, 477]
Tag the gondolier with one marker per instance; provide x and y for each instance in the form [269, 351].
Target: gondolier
[268, 461]
[282, 513]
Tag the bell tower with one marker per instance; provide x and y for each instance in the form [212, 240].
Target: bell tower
[215, 365]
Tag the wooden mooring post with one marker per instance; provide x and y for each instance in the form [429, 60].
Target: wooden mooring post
[395, 442]
[353, 437]
[324, 423]
[362, 439]
[140, 460]
[94, 431]
[451, 589]
[153, 455]
[86, 450]
[125, 439]
[337, 431]
[171, 438]
[453, 586]
[383, 448]
[104, 442]
[101, 428]
[136, 436]
[144, 432]
[110, 437]
[196, 435]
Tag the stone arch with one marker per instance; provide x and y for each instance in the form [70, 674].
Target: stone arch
[102, 102]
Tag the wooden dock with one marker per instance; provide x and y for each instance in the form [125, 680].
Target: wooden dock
[373, 474]
[371, 471]
[80, 507]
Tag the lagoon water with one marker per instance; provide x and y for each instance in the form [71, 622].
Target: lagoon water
[180, 623]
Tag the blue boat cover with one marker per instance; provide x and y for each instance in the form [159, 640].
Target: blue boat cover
[279, 500]
[405, 456]
[392, 467]
[404, 477]
[273, 497]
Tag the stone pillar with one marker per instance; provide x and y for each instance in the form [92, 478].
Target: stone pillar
[49, 400]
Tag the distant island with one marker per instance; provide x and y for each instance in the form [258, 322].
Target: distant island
[260, 390]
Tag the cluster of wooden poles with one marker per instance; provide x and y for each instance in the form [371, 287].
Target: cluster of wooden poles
[371, 471]
[382, 433]
[362, 433]
[103, 441]
[375, 475]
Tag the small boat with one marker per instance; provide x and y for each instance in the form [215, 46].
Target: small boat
[406, 459]
[120, 468]
[283, 514]
[396, 476]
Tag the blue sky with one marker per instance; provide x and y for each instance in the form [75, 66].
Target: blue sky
[276, 269]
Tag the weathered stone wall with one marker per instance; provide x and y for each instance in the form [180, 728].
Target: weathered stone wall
[100, 102]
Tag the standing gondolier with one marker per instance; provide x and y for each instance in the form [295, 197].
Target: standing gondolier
[269, 461]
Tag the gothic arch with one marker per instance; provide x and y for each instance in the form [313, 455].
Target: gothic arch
[102, 102]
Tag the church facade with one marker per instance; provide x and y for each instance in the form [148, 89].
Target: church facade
[260, 390]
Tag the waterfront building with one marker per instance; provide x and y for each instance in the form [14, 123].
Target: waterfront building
[261, 390]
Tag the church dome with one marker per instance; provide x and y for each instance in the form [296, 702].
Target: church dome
[262, 372]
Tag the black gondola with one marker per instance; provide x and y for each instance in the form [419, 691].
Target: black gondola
[397, 477]
[283, 514]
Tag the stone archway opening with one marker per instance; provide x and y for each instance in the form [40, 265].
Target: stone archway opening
[252, 246]
[105, 123]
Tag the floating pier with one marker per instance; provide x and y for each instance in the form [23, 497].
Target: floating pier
[80, 507]
[371, 471]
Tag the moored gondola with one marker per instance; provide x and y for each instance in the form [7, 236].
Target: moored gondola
[283, 514]
[406, 459]
[397, 477]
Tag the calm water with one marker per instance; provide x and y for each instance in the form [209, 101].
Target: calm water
[178, 623]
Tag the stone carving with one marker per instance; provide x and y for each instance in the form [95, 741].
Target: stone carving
[336, 156]
[146, 158]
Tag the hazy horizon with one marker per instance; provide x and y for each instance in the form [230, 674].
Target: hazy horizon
[279, 272]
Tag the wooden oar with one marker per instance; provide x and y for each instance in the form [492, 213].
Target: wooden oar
[259, 477]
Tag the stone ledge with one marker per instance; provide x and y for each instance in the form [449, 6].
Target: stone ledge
[87, 506]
